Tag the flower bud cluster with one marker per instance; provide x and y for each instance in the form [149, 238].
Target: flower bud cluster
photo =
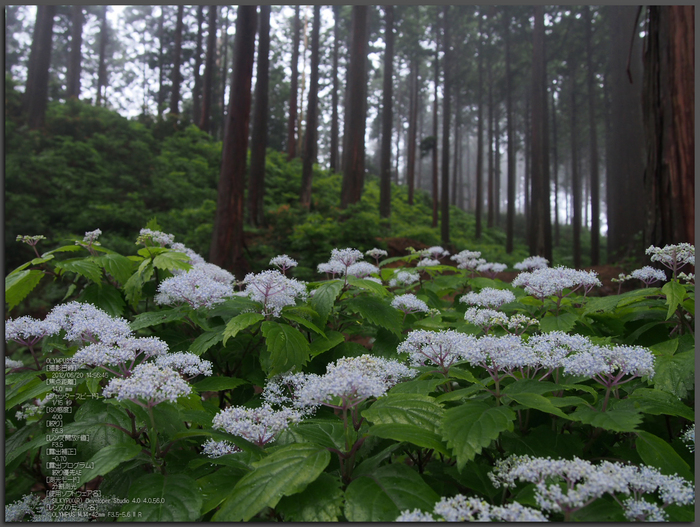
[673, 256]
[31, 409]
[339, 262]
[491, 269]
[435, 252]
[30, 240]
[187, 364]
[409, 303]
[689, 437]
[149, 382]
[214, 449]
[283, 262]
[274, 291]
[489, 297]
[648, 275]
[84, 322]
[403, 278]
[531, 263]
[485, 318]
[202, 286]
[149, 237]
[427, 262]
[362, 270]
[91, 237]
[468, 259]
[542, 283]
[377, 254]
[28, 331]
[11, 364]
[258, 425]
[459, 508]
[441, 348]
[195, 259]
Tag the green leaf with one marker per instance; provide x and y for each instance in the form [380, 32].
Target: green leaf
[216, 486]
[333, 338]
[538, 402]
[19, 285]
[658, 453]
[239, 323]
[132, 288]
[286, 348]
[107, 460]
[153, 318]
[377, 312]
[675, 293]
[64, 249]
[302, 321]
[412, 409]
[383, 494]
[472, 426]
[159, 498]
[104, 296]
[83, 267]
[675, 374]
[612, 419]
[206, 340]
[423, 387]
[656, 402]
[601, 303]
[530, 386]
[563, 322]
[120, 267]
[320, 501]
[368, 285]
[22, 392]
[172, 260]
[324, 298]
[217, 384]
[285, 472]
[411, 434]
[326, 433]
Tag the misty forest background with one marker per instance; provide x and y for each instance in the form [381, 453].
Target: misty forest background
[250, 131]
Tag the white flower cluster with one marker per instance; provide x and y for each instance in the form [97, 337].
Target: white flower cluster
[195, 259]
[403, 278]
[552, 348]
[205, 285]
[339, 262]
[84, 322]
[409, 303]
[531, 263]
[147, 236]
[435, 252]
[363, 270]
[214, 449]
[427, 262]
[586, 482]
[690, 277]
[149, 382]
[257, 425]
[488, 297]
[15, 512]
[31, 409]
[123, 350]
[11, 364]
[648, 275]
[459, 508]
[491, 269]
[441, 348]
[283, 262]
[673, 256]
[689, 437]
[468, 259]
[553, 280]
[28, 331]
[520, 322]
[50, 509]
[485, 318]
[377, 253]
[347, 382]
[603, 363]
[91, 237]
[187, 364]
[274, 291]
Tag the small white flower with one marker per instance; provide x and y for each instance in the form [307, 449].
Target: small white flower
[186, 363]
[427, 262]
[257, 425]
[409, 303]
[403, 278]
[214, 449]
[377, 253]
[198, 287]
[531, 263]
[91, 237]
[689, 437]
[155, 237]
[28, 331]
[148, 382]
[283, 262]
[441, 348]
[648, 274]
[673, 256]
[489, 297]
[491, 269]
[485, 318]
[12, 364]
[84, 322]
[274, 290]
[361, 270]
[435, 252]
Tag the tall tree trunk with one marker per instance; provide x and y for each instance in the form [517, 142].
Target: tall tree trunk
[197, 90]
[497, 170]
[355, 111]
[456, 149]
[293, 90]
[412, 125]
[555, 166]
[445, 198]
[311, 134]
[227, 239]
[385, 168]
[209, 66]
[300, 113]
[37, 88]
[334, 154]
[435, 128]
[160, 102]
[479, 204]
[489, 179]
[527, 165]
[540, 227]
[669, 113]
[575, 178]
[102, 68]
[258, 141]
[175, 94]
[76, 40]
[510, 213]
[224, 69]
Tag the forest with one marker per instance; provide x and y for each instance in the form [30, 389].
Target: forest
[349, 263]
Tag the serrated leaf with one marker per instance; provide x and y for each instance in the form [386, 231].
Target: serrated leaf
[411, 434]
[377, 312]
[303, 322]
[22, 392]
[324, 298]
[538, 402]
[601, 303]
[563, 322]
[656, 452]
[413, 409]
[132, 288]
[120, 267]
[675, 374]
[319, 345]
[216, 486]
[383, 494]
[216, 384]
[472, 426]
[171, 498]
[285, 472]
[239, 323]
[320, 501]
[675, 293]
[172, 260]
[107, 459]
[326, 433]
[206, 340]
[286, 348]
[83, 267]
[19, 285]
[418, 386]
[656, 402]
[368, 285]
[64, 249]
[106, 297]
[612, 419]
[153, 318]
[530, 386]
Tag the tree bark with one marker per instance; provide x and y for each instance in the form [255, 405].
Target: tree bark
[510, 212]
[334, 154]
[555, 166]
[258, 142]
[205, 120]
[479, 139]
[355, 111]
[593, 146]
[445, 197]
[490, 179]
[293, 90]
[412, 125]
[37, 88]
[102, 68]
[435, 130]
[227, 238]
[387, 93]
[575, 178]
[160, 101]
[224, 70]
[311, 134]
[76, 40]
[197, 90]
[175, 93]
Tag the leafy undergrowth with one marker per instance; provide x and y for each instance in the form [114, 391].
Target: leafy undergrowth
[420, 386]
